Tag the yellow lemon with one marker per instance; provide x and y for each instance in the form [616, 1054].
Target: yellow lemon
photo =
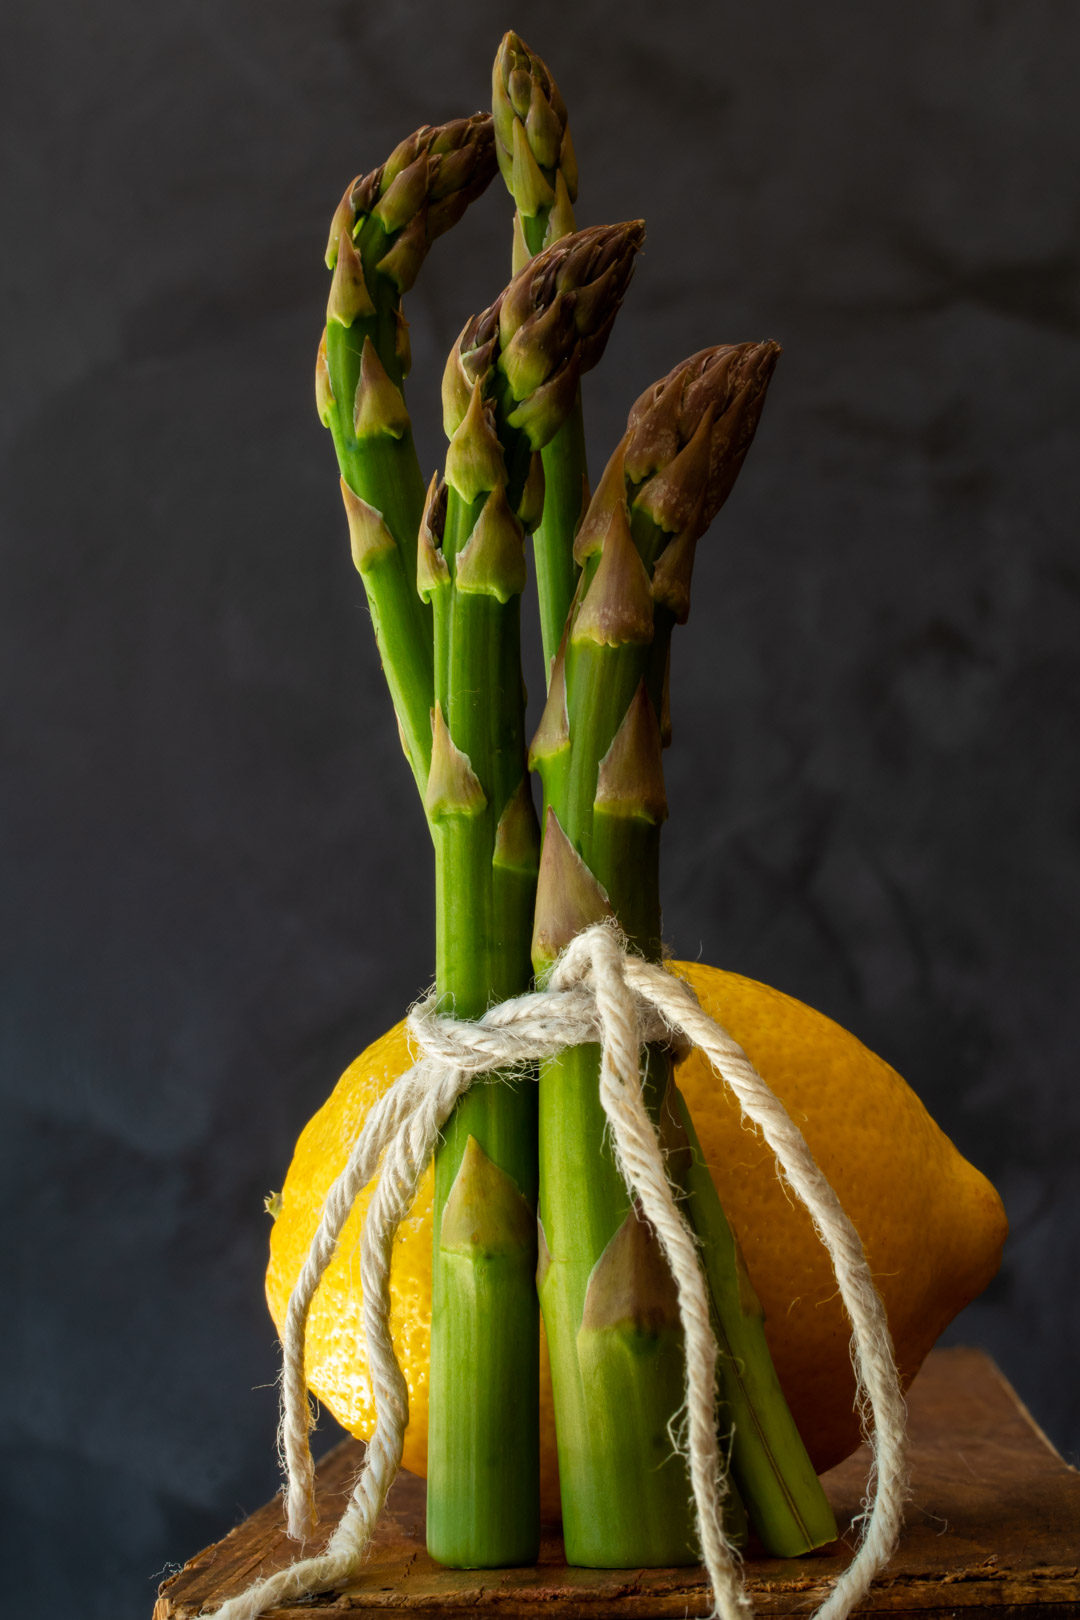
[931, 1224]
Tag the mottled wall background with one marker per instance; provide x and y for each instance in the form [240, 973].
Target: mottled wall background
[216, 881]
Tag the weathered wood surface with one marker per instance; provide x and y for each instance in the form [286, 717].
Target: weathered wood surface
[994, 1523]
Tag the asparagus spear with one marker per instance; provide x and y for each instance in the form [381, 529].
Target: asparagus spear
[536, 159]
[533, 148]
[607, 1301]
[379, 237]
[507, 387]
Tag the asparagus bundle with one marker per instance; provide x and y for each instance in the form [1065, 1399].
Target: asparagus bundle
[607, 1298]
[444, 576]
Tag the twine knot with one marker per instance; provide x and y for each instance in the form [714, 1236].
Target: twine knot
[597, 992]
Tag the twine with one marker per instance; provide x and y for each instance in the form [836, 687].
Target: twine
[596, 992]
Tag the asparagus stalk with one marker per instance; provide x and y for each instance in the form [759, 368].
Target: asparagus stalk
[607, 1302]
[379, 236]
[507, 388]
[536, 159]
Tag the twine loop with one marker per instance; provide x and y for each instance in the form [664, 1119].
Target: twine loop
[598, 991]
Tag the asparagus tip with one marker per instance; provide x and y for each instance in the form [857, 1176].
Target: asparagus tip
[688, 434]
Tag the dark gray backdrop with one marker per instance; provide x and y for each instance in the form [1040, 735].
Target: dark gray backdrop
[217, 886]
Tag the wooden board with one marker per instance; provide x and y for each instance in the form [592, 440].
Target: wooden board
[994, 1523]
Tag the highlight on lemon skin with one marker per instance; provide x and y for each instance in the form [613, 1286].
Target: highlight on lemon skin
[932, 1225]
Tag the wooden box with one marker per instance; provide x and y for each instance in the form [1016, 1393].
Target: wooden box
[993, 1524]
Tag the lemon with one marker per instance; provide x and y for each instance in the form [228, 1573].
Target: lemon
[931, 1224]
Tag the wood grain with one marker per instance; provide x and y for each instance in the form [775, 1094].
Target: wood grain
[993, 1523]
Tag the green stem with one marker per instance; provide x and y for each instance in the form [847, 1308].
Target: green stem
[382, 469]
[775, 1477]
[483, 1427]
[769, 1463]
[599, 756]
[566, 473]
[565, 477]
[537, 162]
[768, 1459]
[617, 1376]
[608, 1300]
